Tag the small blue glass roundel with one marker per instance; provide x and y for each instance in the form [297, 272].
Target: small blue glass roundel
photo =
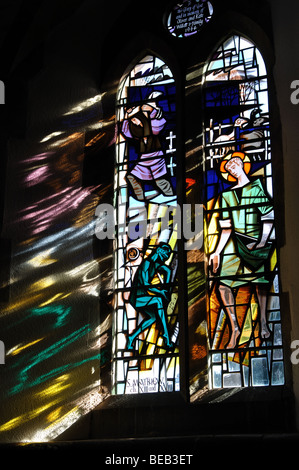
[188, 17]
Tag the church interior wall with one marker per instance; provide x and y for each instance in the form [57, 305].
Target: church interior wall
[61, 71]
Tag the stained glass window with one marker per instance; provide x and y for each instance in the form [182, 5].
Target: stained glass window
[244, 317]
[145, 335]
[240, 280]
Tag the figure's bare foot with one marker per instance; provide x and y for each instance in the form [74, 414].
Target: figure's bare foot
[233, 339]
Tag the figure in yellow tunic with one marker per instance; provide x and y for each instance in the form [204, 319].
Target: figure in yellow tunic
[243, 250]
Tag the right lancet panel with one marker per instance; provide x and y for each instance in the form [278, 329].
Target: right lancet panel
[243, 307]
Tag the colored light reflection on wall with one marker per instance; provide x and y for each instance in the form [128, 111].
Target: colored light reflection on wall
[52, 328]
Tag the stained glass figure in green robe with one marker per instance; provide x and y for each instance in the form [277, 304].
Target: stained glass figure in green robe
[244, 247]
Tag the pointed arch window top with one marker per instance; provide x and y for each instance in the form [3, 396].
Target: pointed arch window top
[148, 71]
[236, 59]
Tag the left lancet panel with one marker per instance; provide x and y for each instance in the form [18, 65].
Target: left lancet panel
[146, 325]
